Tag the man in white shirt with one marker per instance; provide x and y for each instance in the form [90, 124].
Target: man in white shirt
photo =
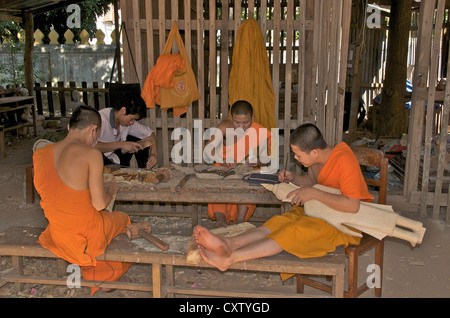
[122, 135]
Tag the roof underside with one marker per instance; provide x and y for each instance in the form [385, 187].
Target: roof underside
[18, 8]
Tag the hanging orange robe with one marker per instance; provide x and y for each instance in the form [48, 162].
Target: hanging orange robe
[77, 232]
[230, 210]
[306, 236]
[250, 77]
[161, 75]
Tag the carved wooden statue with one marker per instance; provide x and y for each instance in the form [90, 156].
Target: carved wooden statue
[377, 220]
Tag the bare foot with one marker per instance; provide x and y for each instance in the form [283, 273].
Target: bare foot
[220, 262]
[211, 242]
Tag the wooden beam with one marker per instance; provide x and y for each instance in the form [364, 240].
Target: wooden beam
[13, 18]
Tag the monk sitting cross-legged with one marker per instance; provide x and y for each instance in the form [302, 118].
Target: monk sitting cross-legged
[250, 139]
[294, 232]
[69, 178]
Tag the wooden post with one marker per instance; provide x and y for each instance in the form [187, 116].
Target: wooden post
[28, 55]
[415, 130]
[116, 31]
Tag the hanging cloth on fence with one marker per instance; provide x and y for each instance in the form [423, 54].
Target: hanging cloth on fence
[171, 82]
[250, 77]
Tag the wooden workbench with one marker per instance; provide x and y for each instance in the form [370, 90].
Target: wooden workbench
[12, 105]
[197, 191]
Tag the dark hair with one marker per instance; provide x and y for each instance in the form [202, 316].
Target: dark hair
[241, 107]
[84, 116]
[133, 103]
[308, 137]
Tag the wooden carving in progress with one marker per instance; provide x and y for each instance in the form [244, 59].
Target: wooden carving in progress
[374, 219]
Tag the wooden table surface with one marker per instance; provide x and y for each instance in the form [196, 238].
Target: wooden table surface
[197, 190]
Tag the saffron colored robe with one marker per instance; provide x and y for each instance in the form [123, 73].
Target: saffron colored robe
[250, 77]
[76, 232]
[230, 210]
[161, 75]
[307, 237]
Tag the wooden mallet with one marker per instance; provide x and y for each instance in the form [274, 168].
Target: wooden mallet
[142, 230]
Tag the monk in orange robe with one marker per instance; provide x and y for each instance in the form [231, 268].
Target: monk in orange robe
[294, 232]
[69, 178]
[240, 150]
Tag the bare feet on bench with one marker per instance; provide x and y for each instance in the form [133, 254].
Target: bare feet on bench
[211, 242]
[220, 262]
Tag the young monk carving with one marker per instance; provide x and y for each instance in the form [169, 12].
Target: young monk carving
[242, 149]
[69, 178]
[294, 232]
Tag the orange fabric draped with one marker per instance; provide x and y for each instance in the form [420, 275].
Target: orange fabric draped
[161, 75]
[230, 210]
[77, 232]
[250, 77]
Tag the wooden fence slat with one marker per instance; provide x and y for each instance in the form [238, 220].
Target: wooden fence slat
[51, 109]
[40, 110]
[288, 77]
[276, 58]
[212, 62]
[62, 99]
[85, 95]
[436, 46]
[164, 127]
[418, 103]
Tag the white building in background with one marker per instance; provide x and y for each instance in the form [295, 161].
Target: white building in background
[106, 24]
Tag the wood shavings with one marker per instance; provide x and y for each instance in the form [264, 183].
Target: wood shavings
[133, 177]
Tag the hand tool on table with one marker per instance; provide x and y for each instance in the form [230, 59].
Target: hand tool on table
[142, 230]
[221, 172]
[183, 181]
[162, 175]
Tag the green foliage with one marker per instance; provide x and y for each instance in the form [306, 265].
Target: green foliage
[12, 72]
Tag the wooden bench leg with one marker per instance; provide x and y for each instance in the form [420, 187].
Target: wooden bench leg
[352, 274]
[2, 142]
[156, 280]
[196, 218]
[300, 284]
[170, 278]
[379, 250]
[17, 263]
[29, 185]
[338, 284]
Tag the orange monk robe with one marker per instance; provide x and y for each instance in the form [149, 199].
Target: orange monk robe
[250, 78]
[240, 150]
[161, 75]
[306, 236]
[77, 232]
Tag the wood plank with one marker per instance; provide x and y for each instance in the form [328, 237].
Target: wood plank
[212, 62]
[422, 58]
[346, 12]
[436, 47]
[276, 59]
[188, 46]
[288, 78]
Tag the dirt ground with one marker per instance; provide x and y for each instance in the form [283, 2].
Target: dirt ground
[419, 272]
